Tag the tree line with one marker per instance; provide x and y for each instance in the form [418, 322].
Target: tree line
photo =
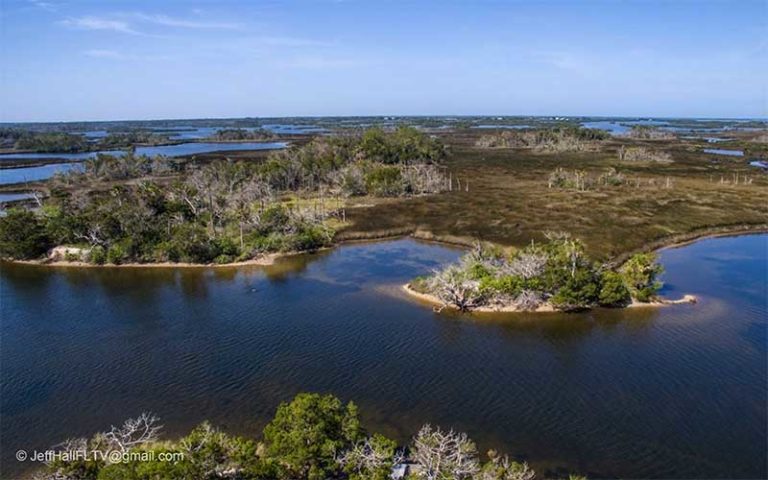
[166, 210]
[313, 437]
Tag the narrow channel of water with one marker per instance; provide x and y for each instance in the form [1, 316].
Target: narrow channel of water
[676, 392]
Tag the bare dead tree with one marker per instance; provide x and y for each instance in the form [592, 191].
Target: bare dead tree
[526, 265]
[92, 235]
[444, 455]
[528, 300]
[135, 431]
[369, 456]
[452, 287]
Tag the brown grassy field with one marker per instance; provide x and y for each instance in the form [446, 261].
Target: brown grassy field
[508, 201]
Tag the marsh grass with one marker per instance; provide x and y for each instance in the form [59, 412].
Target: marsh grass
[508, 202]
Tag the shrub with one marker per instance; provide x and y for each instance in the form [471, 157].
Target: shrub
[579, 291]
[613, 292]
[640, 274]
[116, 254]
[309, 237]
[97, 255]
[22, 235]
[223, 259]
[385, 181]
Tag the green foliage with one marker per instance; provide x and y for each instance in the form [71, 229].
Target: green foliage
[385, 181]
[357, 464]
[372, 163]
[313, 437]
[613, 292]
[579, 291]
[118, 252]
[305, 435]
[505, 285]
[640, 274]
[241, 134]
[129, 139]
[501, 468]
[22, 235]
[97, 255]
[557, 271]
[51, 142]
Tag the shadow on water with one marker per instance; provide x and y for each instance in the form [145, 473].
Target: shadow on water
[675, 392]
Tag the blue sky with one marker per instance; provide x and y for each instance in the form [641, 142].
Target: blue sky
[110, 60]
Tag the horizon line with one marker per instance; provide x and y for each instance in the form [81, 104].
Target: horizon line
[170, 119]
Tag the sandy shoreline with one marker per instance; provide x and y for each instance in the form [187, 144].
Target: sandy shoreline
[545, 307]
[264, 260]
[269, 259]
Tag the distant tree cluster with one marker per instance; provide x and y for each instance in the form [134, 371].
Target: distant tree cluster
[51, 142]
[314, 437]
[557, 272]
[642, 154]
[560, 139]
[242, 134]
[582, 180]
[131, 138]
[377, 162]
[9, 136]
[108, 168]
[62, 142]
[645, 132]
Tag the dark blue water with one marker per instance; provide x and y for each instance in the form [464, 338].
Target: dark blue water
[34, 174]
[612, 127]
[13, 196]
[676, 392]
[179, 150]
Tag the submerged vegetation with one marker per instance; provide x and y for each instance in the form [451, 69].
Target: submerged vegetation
[224, 211]
[314, 437]
[555, 274]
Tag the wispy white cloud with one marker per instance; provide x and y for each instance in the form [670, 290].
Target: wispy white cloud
[50, 6]
[291, 42]
[318, 62]
[168, 21]
[103, 54]
[127, 23]
[115, 55]
[99, 23]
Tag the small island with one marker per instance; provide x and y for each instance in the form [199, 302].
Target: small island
[553, 276]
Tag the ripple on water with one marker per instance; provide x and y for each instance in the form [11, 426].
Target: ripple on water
[672, 392]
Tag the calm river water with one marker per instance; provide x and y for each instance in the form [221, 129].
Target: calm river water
[667, 393]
